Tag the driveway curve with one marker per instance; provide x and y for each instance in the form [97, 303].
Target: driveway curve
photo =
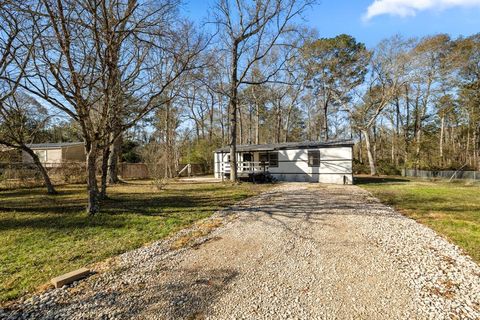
[299, 251]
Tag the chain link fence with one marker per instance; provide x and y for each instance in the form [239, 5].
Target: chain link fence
[442, 174]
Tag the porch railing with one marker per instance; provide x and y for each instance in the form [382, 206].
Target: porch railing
[245, 166]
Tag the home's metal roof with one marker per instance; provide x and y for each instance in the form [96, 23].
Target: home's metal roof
[289, 145]
[58, 145]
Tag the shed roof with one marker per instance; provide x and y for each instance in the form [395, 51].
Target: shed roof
[58, 145]
[289, 145]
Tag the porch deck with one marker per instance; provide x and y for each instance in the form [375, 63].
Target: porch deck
[248, 170]
[245, 167]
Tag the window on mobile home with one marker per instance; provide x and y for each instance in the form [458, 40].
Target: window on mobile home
[313, 158]
[270, 157]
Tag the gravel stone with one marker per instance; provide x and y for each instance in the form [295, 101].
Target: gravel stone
[299, 251]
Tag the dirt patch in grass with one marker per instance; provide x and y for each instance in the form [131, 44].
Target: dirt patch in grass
[203, 229]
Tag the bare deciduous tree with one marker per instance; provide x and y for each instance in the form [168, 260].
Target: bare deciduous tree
[249, 31]
[108, 64]
[385, 79]
[21, 117]
[21, 120]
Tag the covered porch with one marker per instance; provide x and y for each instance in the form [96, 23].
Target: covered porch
[251, 165]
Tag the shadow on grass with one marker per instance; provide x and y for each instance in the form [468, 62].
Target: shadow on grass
[25, 192]
[46, 212]
[55, 209]
[374, 180]
[168, 203]
[66, 223]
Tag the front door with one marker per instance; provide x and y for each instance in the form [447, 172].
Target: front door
[247, 157]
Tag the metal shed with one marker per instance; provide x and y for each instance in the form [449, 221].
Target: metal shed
[310, 161]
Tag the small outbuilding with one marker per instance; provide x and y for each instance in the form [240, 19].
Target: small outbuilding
[311, 161]
[54, 154]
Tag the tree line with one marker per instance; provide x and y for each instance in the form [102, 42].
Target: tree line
[251, 73]
[406, 103]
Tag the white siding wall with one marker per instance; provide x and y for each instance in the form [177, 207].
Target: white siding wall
[336, 165]
[217, 165]
[293, 166]
[54, 156]
[45, 155]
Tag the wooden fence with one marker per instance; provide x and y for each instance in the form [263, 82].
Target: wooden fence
[133, 170]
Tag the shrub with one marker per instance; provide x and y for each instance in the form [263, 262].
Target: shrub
[383, 168]
[387, 168]
[160, 183]
[69, 172]
[360, 168]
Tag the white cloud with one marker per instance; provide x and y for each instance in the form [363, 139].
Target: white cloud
[404, 8]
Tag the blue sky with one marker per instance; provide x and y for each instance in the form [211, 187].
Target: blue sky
[411, 18]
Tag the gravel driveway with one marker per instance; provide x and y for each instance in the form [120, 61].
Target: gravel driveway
[300, 251]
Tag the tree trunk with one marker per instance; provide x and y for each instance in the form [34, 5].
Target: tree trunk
[278, 137]
[92, 188]
[169, 138]
[233, 142]
[105, 172]
[417, 149]
[397, 130]
[325, 120]
[287, 124]
[43, 171]
[406, 130]
[467, 151]
[371, 160]
[233, 112]
[442, 128]
[360, 155]
[418, 132]
[475, 156]
[240, 127]
[392, 155]
[212, 109]
[222, 117]
[257, 123]
[374, 147]
[250, 124]
[113, 158]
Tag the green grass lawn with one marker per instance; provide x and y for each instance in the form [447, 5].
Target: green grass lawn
[44, 236]
[451, 209]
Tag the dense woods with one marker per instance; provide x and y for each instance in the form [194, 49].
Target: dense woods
[139, 74]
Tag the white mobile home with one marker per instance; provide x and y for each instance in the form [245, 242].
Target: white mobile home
[54, 154]
[312, 161]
